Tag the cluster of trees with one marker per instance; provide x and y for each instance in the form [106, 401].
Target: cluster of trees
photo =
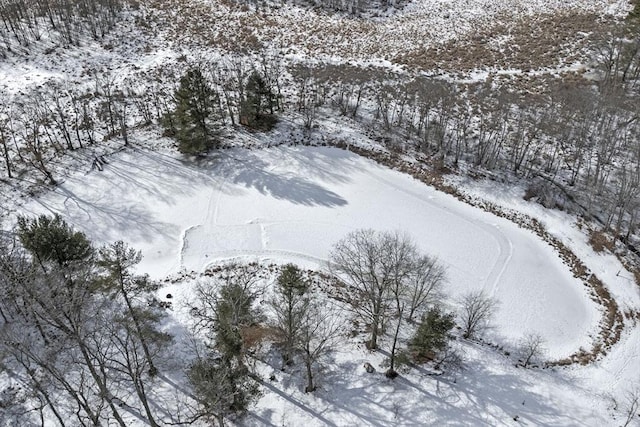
[77, 325]
[228, 315]
[65, 21]
[42, 124]
[307, 325]
[48, 121]
[355, 7]
[394, 289]
[82, 330]
[575, 140]
[202, 106]
[388, 283]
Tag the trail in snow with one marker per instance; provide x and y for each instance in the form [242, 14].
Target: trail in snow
[505, 245]
[294, 203]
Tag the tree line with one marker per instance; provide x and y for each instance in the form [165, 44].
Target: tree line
[573, 143]
[66, 22]
[78, 323]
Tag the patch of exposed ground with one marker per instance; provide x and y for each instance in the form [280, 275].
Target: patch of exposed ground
[427, 35]
[527, 43]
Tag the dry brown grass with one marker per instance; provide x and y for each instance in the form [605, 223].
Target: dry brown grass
[599, 241]
[502, 41]
[530, 43]
[255, 335]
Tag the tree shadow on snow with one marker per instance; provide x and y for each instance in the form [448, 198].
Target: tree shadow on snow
[104, 221]
[475, 396]
[486, 397]
[273, 389]
[252, 171]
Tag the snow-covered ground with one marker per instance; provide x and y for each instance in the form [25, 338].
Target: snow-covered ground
[292, 203]
[205, 29]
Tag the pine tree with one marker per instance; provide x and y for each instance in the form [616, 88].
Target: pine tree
[432, 335]
[234, 312]
[290, 304]
[256, 110]
[51, 239]
[193, 122]
[221, 388]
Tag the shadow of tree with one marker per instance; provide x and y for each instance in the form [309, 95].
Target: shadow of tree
[297, 403]
[252, 171]
[478, 395]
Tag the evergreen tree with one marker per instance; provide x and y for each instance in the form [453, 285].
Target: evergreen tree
[290, 304]
[234, 312]
[221, 380]
[193, 122]
[432, 335]
[256, 110]
[51, 239]
[221, 389]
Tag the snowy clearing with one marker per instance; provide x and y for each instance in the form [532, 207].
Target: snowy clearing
[293, 204]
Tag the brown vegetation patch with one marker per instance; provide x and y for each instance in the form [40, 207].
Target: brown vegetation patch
[503, 41]
[526, 43]
[255, 335]
[599, 241]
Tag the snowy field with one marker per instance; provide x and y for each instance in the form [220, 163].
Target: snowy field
[291, 204]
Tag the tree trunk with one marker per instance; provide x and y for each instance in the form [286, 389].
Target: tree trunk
[5, 153]
[152, 368]
[310, 386]
[142, 395]
[395, 342]
[373, 343]
[99, 382]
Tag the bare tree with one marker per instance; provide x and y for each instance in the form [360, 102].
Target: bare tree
[131, 356]
[632, 406]
[401, 257]
[320, 331]
[425, 284]
[4, 141]
[531, 349]
[477, 309]
[56, 303]
[362, 260]
[118, 260]
[387, 277]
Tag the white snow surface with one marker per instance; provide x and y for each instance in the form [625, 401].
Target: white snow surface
[290, 204]
[293, 203]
